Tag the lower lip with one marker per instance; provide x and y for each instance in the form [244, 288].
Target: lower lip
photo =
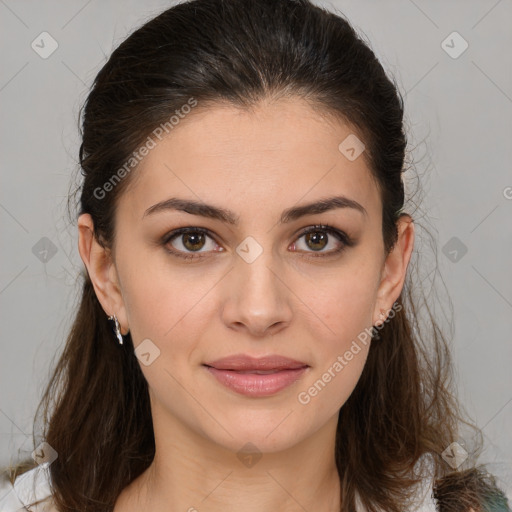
[254, 384]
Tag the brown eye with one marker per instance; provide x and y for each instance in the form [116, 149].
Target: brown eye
[317, 238]
[193, 241]
[184, 242]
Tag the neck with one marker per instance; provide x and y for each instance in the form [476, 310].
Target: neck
[192, 473]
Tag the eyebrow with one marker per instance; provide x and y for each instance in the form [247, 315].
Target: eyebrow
[227, 216]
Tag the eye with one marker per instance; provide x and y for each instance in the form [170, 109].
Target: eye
[318, 238]
[190, 239]
[184, 242]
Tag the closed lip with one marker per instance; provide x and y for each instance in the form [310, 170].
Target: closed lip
[244, 362]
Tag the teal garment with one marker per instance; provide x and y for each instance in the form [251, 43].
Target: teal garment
[496, 502]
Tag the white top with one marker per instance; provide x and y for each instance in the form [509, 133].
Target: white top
[29, 487]
[35, 485]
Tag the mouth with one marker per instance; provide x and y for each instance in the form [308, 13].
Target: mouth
[256, 377]
[244, 362]
[252, 372]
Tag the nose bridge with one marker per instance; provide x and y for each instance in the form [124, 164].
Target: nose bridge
[257, 297]
[255, 267]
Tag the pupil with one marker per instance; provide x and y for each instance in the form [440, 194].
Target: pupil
[317, 237]
[199, 238]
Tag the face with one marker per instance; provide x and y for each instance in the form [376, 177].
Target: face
[254, 277]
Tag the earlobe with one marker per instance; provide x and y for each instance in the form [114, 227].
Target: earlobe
[395, 268]
[100, 268]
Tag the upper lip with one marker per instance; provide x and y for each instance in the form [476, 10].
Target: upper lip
[245, 362]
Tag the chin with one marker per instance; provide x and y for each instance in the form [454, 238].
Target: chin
[269, 433]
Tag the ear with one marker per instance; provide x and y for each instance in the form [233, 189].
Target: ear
[394, 270]
[102, 271]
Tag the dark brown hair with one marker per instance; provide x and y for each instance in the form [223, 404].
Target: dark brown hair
[402, 412]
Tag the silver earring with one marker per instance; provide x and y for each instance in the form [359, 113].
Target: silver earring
[117, 328]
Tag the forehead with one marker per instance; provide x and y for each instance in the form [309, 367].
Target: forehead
[280, 152]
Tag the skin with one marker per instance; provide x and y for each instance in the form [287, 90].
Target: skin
[286, 302]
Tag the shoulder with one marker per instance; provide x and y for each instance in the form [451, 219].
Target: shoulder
[29, 487]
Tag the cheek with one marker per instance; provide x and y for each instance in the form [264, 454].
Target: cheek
[172, 309]
[345, 304]
[340, 354]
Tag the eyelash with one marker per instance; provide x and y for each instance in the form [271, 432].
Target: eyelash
[339, 235]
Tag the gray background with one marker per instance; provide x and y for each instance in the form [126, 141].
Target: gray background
[459, 113]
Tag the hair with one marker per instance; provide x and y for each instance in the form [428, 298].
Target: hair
[403, 410]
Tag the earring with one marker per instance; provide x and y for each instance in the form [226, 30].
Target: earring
[376, 328]
[117, 328]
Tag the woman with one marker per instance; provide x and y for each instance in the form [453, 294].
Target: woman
[246, 337]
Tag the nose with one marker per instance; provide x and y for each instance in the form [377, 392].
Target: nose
[257, 297]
